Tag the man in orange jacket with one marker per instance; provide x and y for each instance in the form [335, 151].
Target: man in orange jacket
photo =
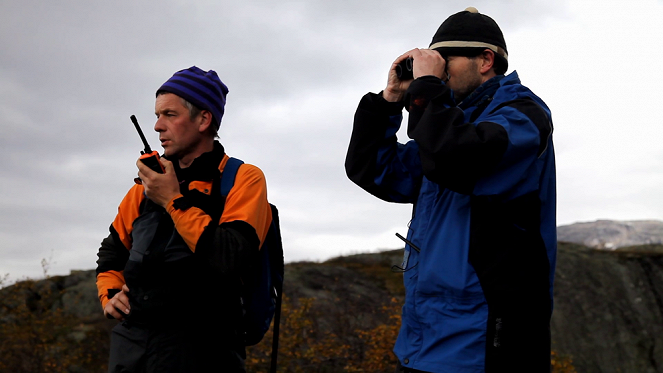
[170, 269]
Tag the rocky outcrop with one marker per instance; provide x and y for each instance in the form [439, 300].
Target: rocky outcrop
[608, 312]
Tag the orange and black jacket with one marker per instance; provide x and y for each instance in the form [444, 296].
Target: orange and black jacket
[195, 253]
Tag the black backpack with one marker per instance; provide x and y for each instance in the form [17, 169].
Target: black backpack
[261, 300]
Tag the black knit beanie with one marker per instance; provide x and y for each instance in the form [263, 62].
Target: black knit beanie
[468, 33]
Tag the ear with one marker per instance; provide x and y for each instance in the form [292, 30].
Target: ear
[205, 121]
[487, 59]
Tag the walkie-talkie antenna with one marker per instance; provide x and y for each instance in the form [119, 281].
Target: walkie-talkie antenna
[148, 157]
[147, 150]
[408, 242]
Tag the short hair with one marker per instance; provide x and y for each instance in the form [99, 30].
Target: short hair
[500, 65]
[194, 111]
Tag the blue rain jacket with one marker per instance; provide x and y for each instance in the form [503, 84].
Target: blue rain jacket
[481, 177]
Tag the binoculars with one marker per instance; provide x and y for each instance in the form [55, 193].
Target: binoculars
[404, 69]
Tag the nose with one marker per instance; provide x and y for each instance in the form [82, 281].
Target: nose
[159, 126]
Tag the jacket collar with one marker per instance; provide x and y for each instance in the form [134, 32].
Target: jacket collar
[205, 167]
[484, 92]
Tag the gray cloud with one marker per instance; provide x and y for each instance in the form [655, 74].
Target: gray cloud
[72, 72]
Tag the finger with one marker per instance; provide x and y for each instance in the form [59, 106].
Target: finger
[141, 177]
[123, 308]
[143, 170]
[122, 304]
[415, 53]
[108, 312]
[117, 314]
[402, 57]
[412, 52]
[141, 166]
[437, 56]
[146, 170]
[167, 165]
[125, 288]
[122, 297]
[111, 312]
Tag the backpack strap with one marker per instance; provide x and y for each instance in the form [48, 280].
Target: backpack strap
[228, 175]
[227, 181]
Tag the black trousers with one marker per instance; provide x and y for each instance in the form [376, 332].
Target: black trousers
[141, 349]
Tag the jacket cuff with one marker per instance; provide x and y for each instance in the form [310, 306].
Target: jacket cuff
[179, 202]
[425, 83]
[377, 102]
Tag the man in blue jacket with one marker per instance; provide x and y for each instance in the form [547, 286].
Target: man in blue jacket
[480, 171]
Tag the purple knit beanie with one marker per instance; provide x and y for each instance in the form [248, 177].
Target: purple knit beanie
[202, 88]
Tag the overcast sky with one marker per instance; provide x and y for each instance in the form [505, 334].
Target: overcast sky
[72, 72]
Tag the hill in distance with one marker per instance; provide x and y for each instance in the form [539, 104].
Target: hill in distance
[612, 234]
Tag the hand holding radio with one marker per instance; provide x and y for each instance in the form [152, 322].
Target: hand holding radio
[161, 188]
[147, 156]
[157, 175]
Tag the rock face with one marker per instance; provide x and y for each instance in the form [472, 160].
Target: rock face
[75, 294]
[608, 312]
[612, 234]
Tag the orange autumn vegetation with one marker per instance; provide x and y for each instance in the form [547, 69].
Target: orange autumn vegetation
[37, 335]
[561, 364]
[305, 348]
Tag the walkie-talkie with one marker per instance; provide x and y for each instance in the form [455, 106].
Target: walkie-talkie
[149, 157]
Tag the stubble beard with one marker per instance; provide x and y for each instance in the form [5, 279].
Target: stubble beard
[462, 92]
[467, 83]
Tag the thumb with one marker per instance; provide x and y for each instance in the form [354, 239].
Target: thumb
[167, 165]
[125, 288]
